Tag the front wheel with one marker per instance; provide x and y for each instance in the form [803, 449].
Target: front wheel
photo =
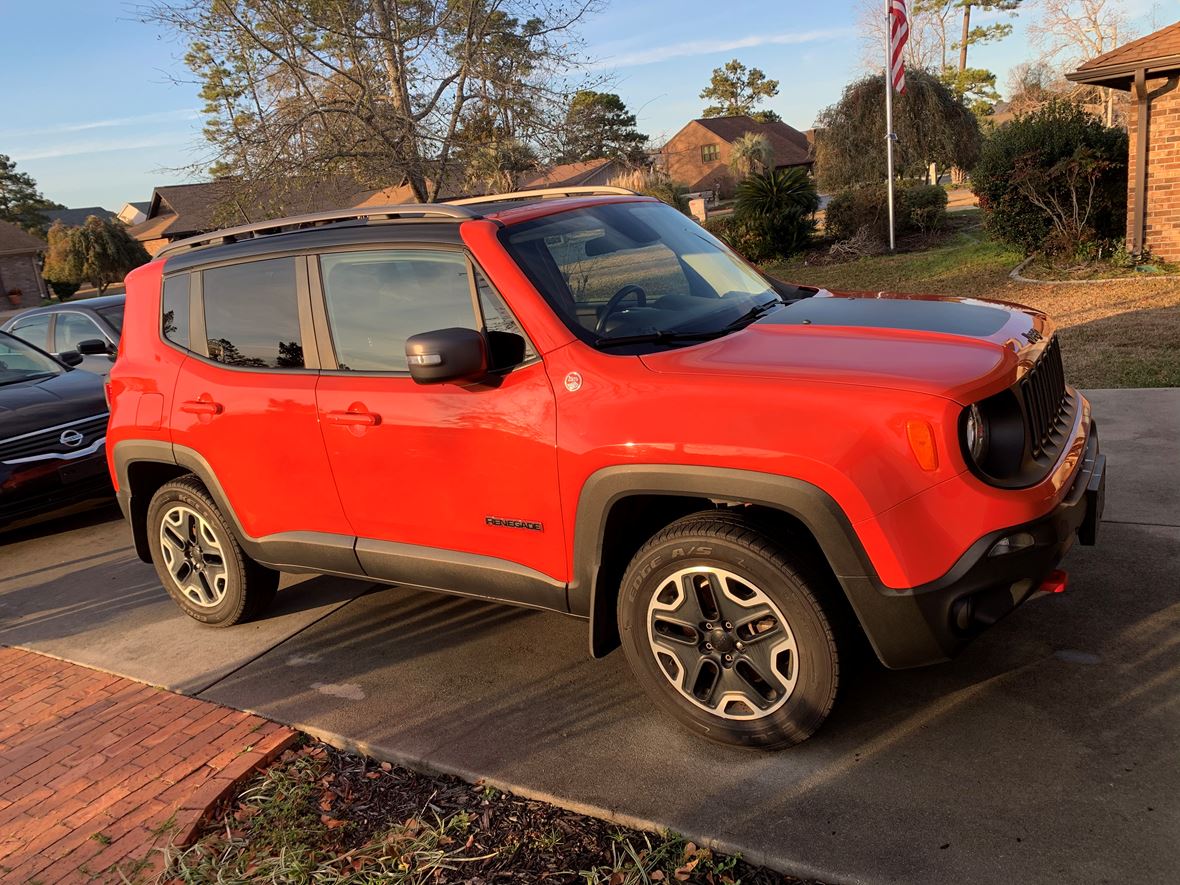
[730, 632]
[199, 561]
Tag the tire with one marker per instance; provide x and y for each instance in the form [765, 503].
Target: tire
[777, 621]
[198, 558]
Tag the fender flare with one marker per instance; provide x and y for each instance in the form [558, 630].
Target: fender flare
[900, 629]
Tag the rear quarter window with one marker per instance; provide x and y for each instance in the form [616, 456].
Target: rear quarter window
[175, 310]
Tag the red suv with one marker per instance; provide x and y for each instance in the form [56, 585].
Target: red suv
[584, 402]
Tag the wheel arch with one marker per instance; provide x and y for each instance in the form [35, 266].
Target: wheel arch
[609, 497]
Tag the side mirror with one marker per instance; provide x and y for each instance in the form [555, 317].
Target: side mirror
[70, 357]
[447, 355]
[94, 347]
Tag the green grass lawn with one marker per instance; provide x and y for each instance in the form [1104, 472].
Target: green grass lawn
[1118, 334]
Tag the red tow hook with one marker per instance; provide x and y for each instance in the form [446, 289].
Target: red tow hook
[1055, 582]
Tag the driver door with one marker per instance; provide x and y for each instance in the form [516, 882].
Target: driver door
[428, 471]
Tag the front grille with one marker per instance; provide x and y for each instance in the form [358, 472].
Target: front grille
[48, 442]
[1045, 401]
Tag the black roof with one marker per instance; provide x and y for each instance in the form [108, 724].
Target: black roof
[77, 217]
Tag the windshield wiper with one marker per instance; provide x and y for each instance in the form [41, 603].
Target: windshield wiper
[658, 338]
[754, 313]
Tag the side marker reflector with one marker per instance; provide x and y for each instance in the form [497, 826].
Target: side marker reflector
[921, 437]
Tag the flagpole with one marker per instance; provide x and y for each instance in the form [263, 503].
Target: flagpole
[889, 136]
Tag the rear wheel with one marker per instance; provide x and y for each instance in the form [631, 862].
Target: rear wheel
[731, 632]
[199, 561]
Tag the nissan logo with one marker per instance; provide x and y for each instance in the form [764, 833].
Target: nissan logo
[71, 438]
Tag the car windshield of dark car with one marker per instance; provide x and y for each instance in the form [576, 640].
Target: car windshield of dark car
[113, 316]
[621, 270]
[20, 362]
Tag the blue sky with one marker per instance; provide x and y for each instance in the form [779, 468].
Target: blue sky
[91, 107]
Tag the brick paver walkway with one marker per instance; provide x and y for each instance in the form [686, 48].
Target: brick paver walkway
[98, 773]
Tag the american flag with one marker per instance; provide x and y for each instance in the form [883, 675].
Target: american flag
[899, 32]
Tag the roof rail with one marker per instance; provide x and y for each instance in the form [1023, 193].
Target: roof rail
[403, 212]
[542, 193]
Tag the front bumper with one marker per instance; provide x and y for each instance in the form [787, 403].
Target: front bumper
[933, 622]
[40, 487]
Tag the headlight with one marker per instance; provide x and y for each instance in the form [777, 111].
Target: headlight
[977, 436]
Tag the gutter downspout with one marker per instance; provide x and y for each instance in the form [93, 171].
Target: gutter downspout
[1138, 232]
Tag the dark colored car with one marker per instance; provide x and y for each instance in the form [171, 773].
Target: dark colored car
[53, 426]
[91, 327]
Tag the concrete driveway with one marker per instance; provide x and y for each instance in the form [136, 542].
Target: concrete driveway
[1049, 751]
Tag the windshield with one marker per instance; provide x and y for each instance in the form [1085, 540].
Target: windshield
[623, 270]
[21, 362]
[113, 316]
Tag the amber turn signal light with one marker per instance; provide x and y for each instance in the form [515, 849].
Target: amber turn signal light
[921, 437]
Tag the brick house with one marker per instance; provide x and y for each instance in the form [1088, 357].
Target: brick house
[20, 267]
[698, 155]
[1148, 68]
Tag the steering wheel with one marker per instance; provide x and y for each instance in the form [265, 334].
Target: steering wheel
[612, 306]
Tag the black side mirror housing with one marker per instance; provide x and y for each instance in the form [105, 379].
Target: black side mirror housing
[447, 355]
[94, 347]
[70, 357]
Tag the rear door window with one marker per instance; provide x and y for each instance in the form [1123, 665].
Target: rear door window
[252, 314]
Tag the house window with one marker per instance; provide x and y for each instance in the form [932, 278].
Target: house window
[710, 153]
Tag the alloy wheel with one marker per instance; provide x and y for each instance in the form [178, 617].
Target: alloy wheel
[193, 556]
[722, 643]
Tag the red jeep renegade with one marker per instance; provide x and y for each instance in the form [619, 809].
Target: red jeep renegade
[585, 403]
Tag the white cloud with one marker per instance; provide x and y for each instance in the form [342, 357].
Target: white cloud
[98, 146]
[66, 128]
[707, 47]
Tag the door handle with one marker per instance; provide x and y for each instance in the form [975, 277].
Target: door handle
[353, 419]
[201, 407]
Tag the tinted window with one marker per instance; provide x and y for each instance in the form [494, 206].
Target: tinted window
[113, 317]
[252, 314]
[175, 310]
[376, 300]
[71, 328]
[34, 330]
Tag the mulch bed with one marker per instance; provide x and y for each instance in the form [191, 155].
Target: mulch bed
[500, 838]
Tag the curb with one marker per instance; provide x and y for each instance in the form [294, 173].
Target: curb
[199, 806]
[1015, 274]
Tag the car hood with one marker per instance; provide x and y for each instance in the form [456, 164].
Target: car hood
[33, 405]
[959, 348]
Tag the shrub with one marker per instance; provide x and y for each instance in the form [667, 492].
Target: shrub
[925, 207]
[774, 216]
[65, 291]
[1054, 179]
[99, 252]
[916, 207]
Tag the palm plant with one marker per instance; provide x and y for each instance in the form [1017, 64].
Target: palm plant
[779, 205]
[750, 153]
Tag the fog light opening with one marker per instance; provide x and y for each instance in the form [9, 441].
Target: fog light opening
[1012, 544]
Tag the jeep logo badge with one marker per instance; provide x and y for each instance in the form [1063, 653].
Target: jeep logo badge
[71, 438]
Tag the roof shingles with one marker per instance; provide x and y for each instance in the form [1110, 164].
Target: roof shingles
[14, 241]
